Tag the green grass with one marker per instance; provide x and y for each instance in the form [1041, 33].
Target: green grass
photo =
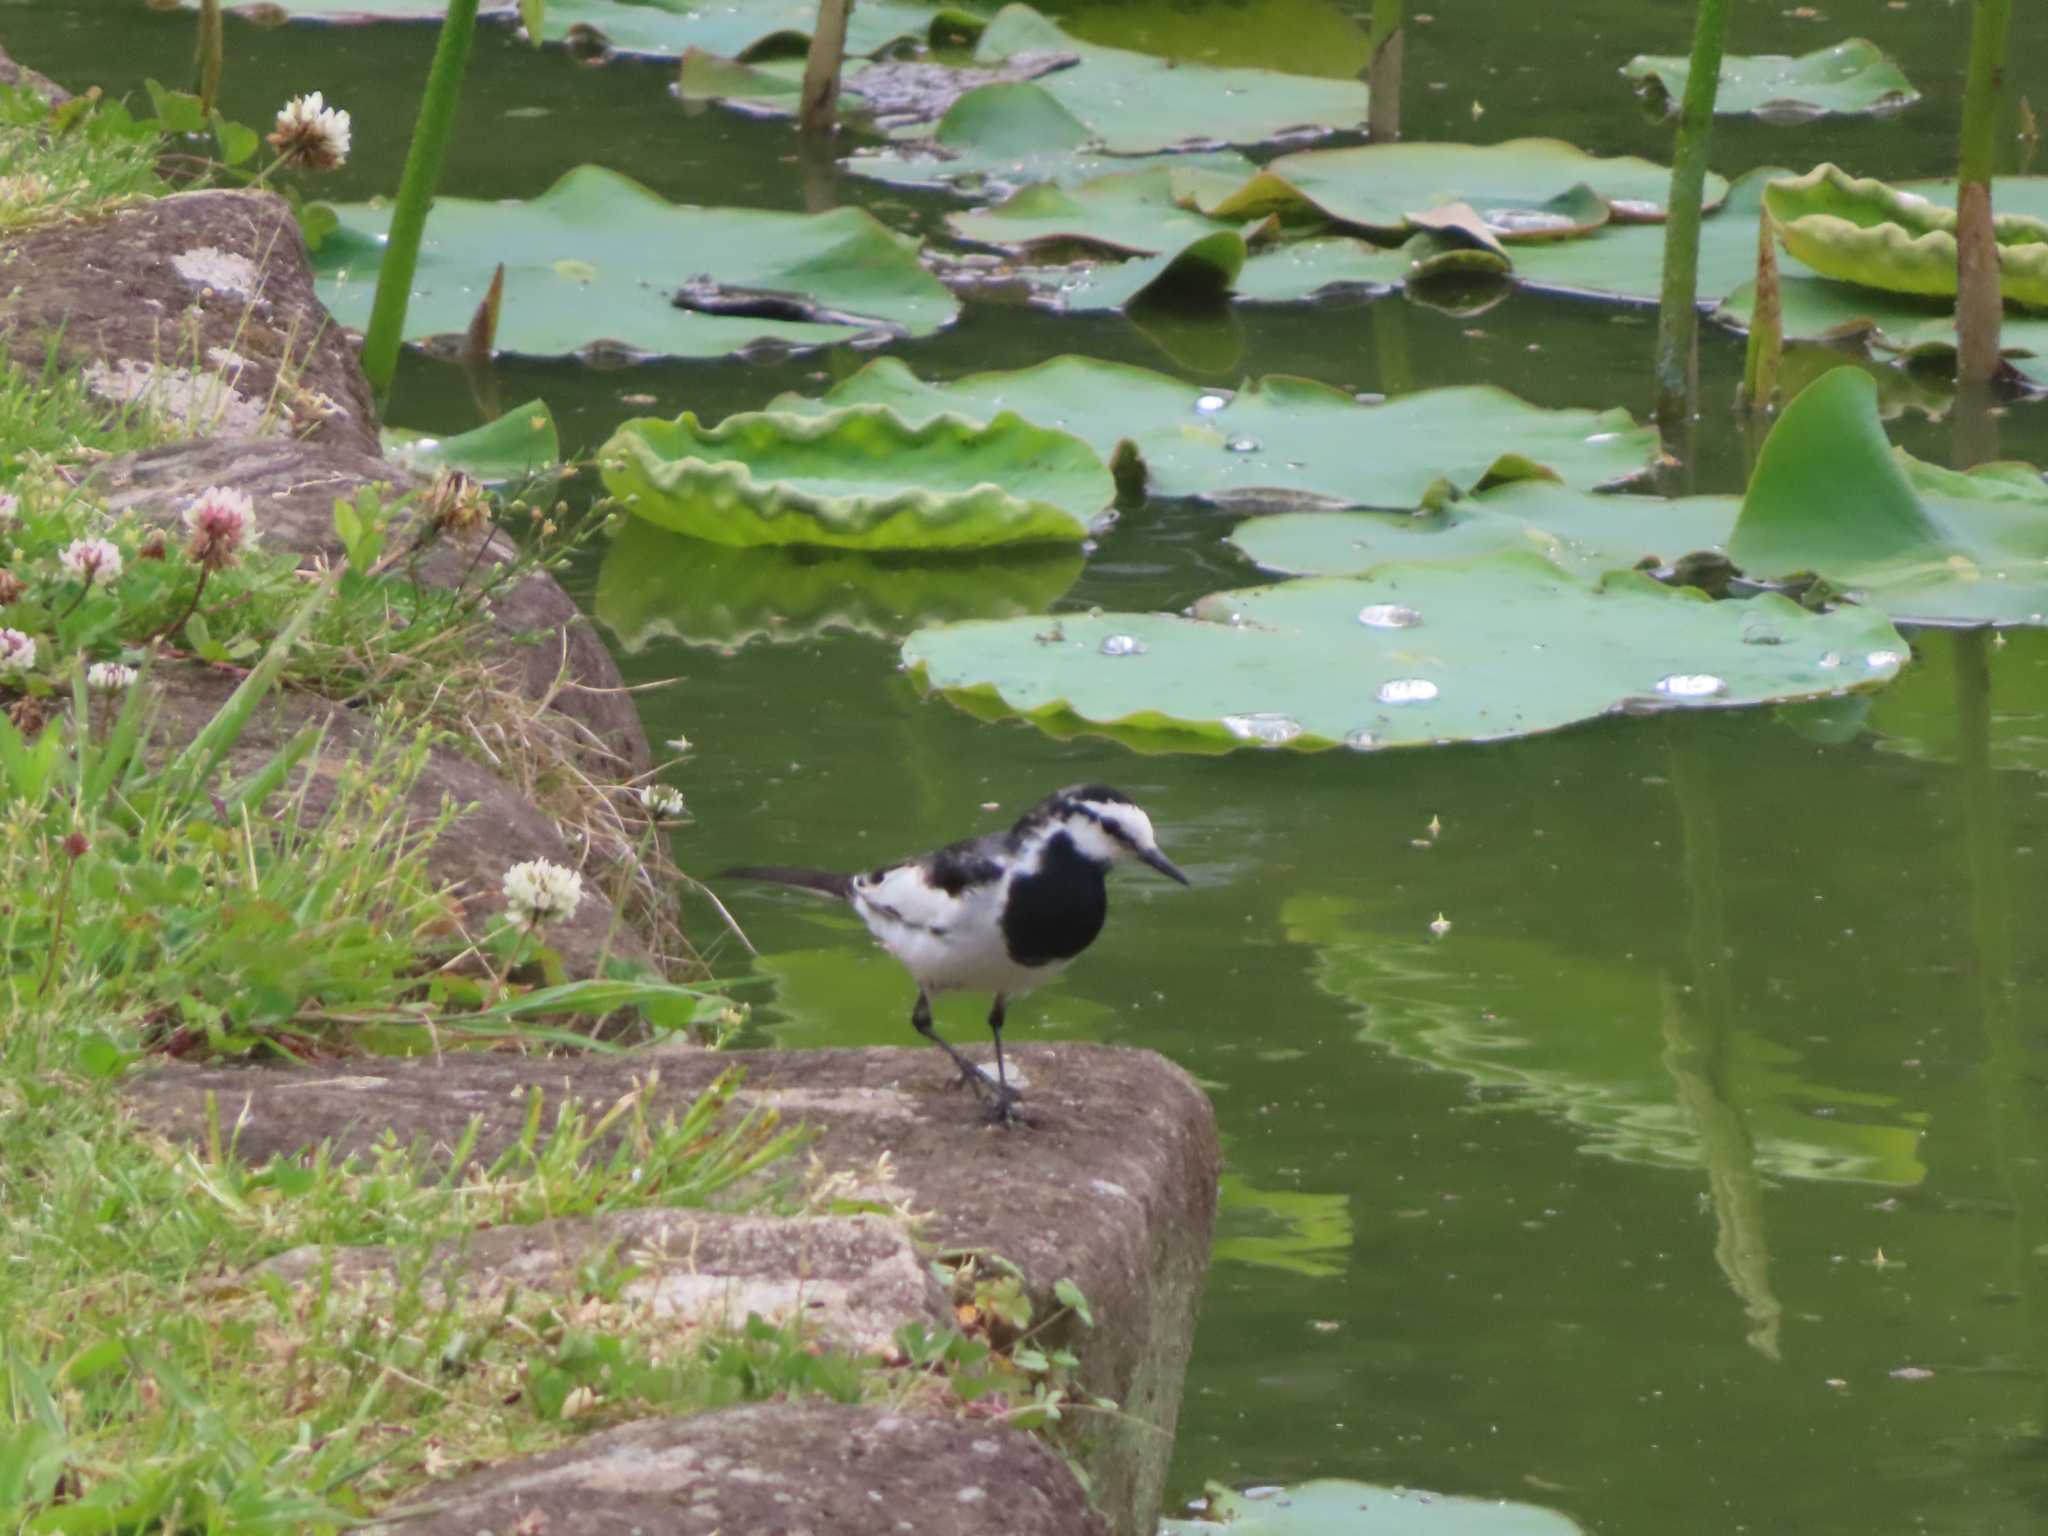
[75, 161]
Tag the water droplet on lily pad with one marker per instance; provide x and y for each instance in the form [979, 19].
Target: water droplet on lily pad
[1360, 741]
[1242, 445]
[1388, 616]
[1691, 685]
[1268, 730]
[1522, 221]
[1208, 403]
[1123, 645]
[1831, 659]
[1882, 659]
[1761, 631]
[1407, 690]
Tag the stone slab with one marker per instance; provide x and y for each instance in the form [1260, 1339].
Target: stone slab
[199, 307]
[848, 1281]
[1113, 1186]
[22, 77]
[784, 1469]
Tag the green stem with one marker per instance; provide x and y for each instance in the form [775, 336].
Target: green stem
[416, 196]
[818, 107]
[1978, 310]
[208, 64]
[1383, 73]
[1678, 321]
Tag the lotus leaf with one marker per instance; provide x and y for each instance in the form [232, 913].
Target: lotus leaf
[894, 94]
[1924, 544]
[1301, 269]
[1626, 261]
[1865, 232]
[1336, 1506]
[596, 261]
[1406, 655]
[1202, 272]
[1278, 442]
[998, 139]
[1135, 103]
[1128, 212]
[1524, 189]
[520, 443]
[669, 28]
[1847, 77]
[654, 585]
[1581, 1038]
[860, 477]
[1915, 328]
[1581, 532]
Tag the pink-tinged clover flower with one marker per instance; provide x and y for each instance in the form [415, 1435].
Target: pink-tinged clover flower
[221, 521]
[17, 652]
[310, 135]
[96, 562]
[109, 677]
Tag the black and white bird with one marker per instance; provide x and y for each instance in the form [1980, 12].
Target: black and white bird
[1000, 913]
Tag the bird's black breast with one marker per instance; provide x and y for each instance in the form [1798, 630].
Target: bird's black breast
[1056, 911]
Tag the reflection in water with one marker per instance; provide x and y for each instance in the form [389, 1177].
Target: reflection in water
[1315, 1229]
[654, 584]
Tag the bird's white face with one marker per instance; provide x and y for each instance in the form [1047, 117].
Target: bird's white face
[1111, 831]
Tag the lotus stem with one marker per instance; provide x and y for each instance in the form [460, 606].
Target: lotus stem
[818, 112]
[416, 196]
[1766, 323]
[1383, 72]
[1978, 309]
[207, 64]
[1678, 321]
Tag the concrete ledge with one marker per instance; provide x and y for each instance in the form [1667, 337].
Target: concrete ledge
[774, 1470]
[1114, 1188]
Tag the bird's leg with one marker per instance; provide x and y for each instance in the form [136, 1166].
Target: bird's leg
[921, 1021]
[1005, 1099]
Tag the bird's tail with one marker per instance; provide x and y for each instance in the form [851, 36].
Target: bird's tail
[808, 879]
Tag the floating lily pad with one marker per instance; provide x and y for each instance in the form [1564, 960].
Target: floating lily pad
[1848, 77]
[519, 444]
[861, 477]
[1524, 189]
[889, 94]
[1580, 532]
[596, 262]
[1136, 103]
[655, 585]
[1865, 232]
[1278, 442]
[1580, 1038]
[1335, 1506]
[1625, 262]
[1408, 655]
[1202, 272]
[1927, 545]
[1127, 212]
[998, 139]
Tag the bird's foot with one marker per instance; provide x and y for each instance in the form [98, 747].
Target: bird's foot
[999, 1105]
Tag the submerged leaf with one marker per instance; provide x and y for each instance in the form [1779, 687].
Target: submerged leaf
[1847, 77]
[1406, 655]
[598, 262]
[1335, 1506]
[1279, 441]
[861, 477]
[520, 443]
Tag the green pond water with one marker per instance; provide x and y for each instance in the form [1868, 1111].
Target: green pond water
[1693, 1182]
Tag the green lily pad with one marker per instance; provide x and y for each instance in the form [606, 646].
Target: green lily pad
[1407, 655]
[1580, 532]
[1126, 212]
[1336, 1506]
[519, 444]
[1302, 269]
[653, 585]
[999, 139]
[1926, 545]
[1625, 262]
[1523, 190]
[1202, 272]
[1277, 442]
[860, 477]
[1136, 103]
[1574, 1037]
[595, 263]
[1847, 77]
[1865, 232]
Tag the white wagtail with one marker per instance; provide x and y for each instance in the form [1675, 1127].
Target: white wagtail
[1000, 913]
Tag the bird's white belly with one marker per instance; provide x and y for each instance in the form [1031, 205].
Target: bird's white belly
[964, 952]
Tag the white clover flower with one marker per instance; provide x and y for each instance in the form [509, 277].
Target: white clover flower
[10, 509]
[221, 522]
[17, 652]
[538, 893]
[96, 562]
[109, 677]
[311, 136]
[663, 801]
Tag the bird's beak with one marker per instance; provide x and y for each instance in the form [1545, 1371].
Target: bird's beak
[1164, 865]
